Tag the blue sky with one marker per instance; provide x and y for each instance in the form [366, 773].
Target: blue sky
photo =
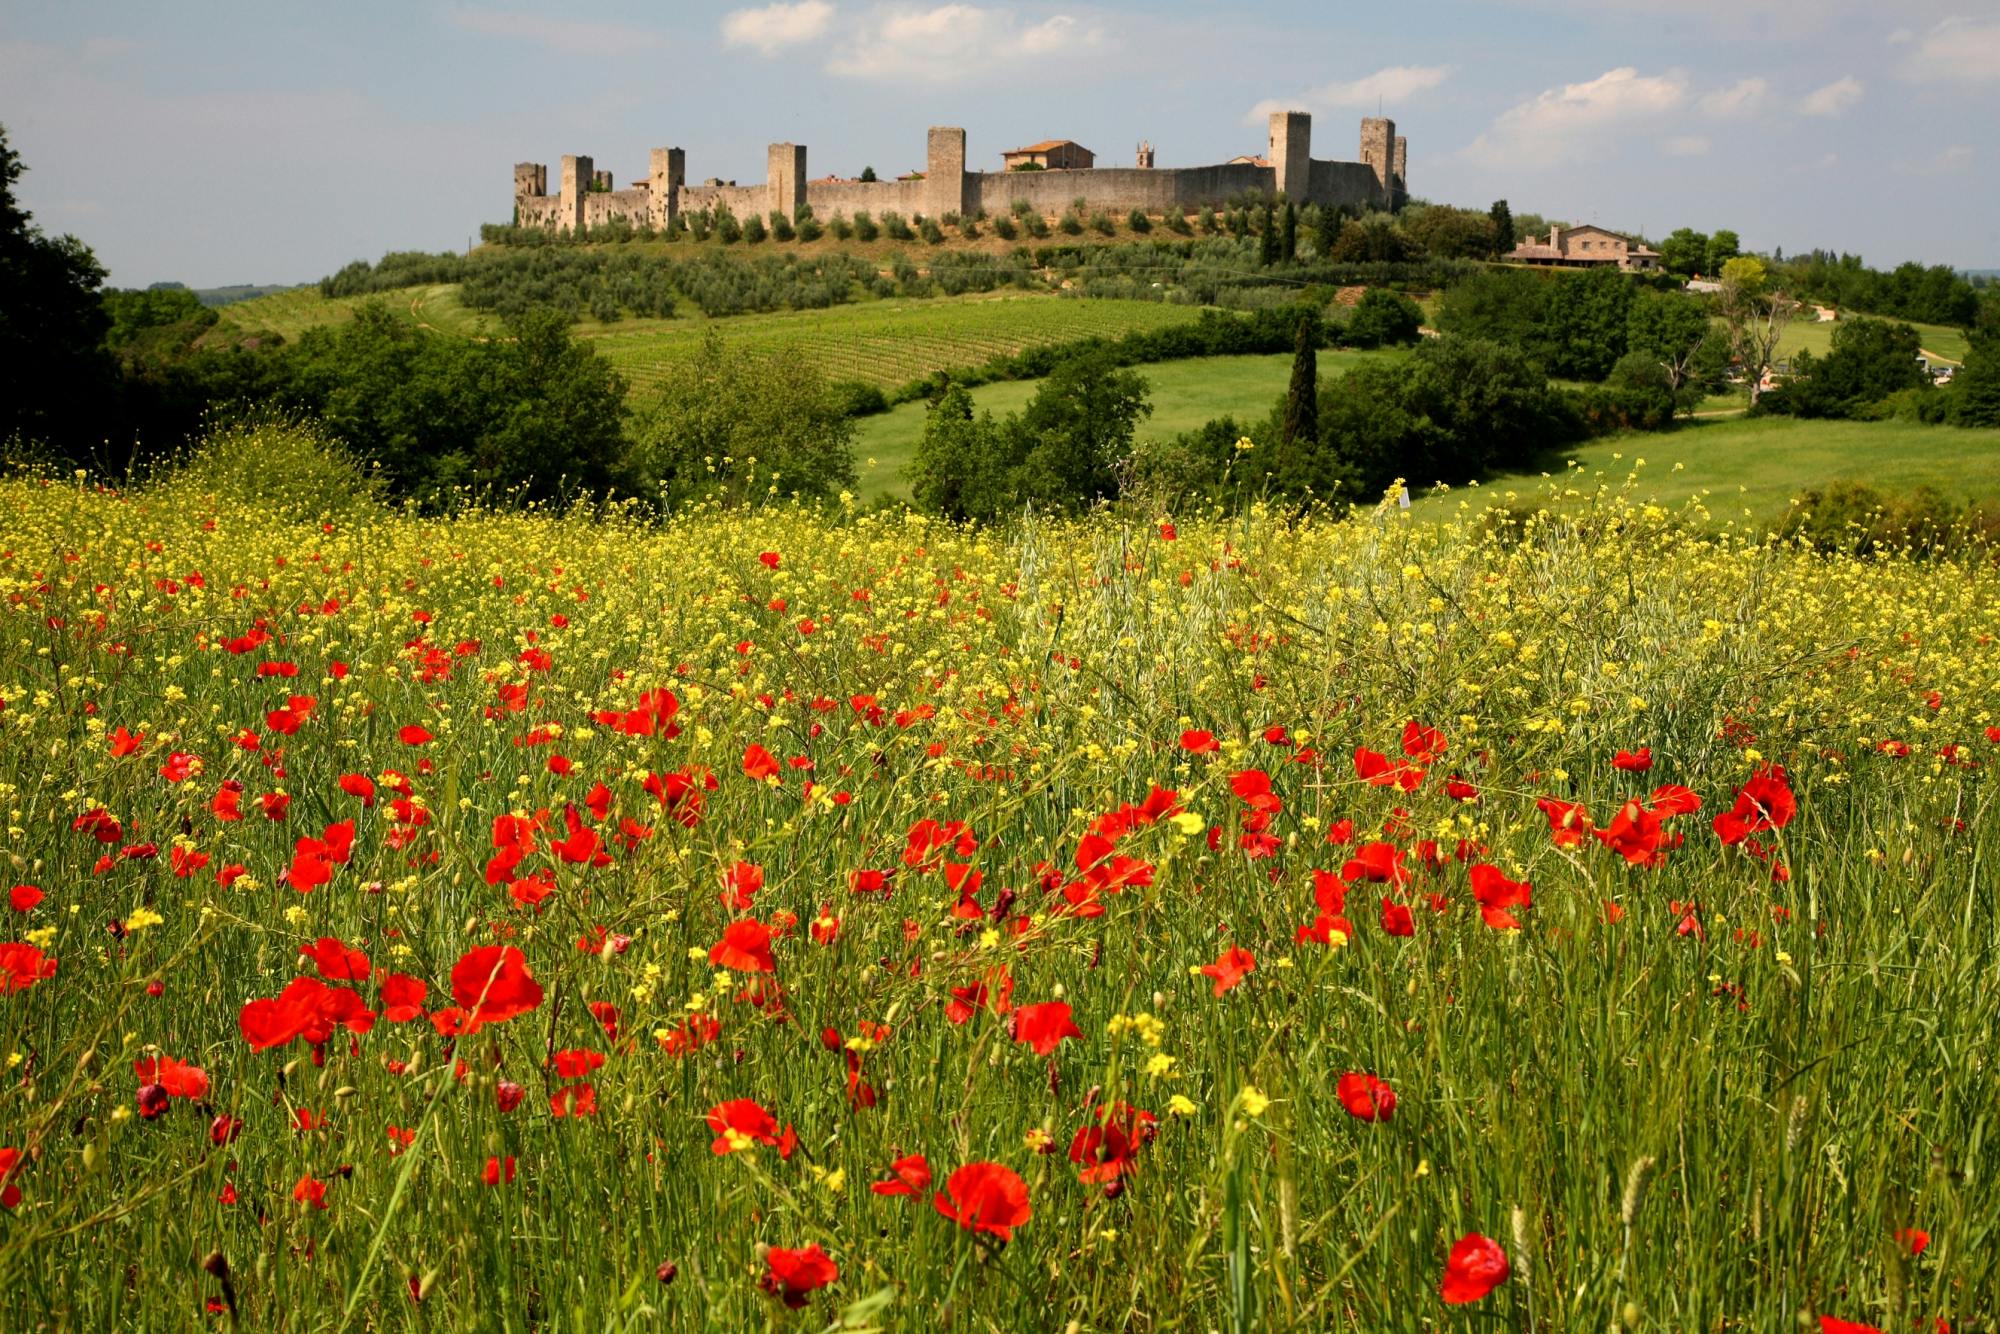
[224, 142]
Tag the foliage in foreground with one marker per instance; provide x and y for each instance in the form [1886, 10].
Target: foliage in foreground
[515, 918]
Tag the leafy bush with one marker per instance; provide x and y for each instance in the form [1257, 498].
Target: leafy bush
[1059, 453]
[1870, 360]
[398, 268]
[1383, 319]
[742, 425]
[271, 464]
[1852, 518]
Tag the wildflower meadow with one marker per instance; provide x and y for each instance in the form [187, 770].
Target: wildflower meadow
[774, 919]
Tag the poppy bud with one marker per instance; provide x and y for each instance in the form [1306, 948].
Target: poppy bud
[1114, 1188]
[667, 1271]
[152, 1100]
[216, 1265]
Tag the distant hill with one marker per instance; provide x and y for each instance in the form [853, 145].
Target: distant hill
[229, 296]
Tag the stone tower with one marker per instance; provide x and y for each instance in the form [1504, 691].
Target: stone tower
[1146, 155]
[1378, 152]
[1291, 154]
[786, 174]
[530, 179]
[1402, 168]
[944, 171]
[666, 175]
[577, 173]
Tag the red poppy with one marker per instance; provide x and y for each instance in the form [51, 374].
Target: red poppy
[10, 1163]
[413, 734]
[498, 1170]
[573, 1100]
[745, 947]
[769, 559]
[1396, 919]
[23, 898]
[492, 984]
[1568, 821]
[793, 1276]
[22, 965]
[402, 998]
[1366, 1098]
[1834, 1325]
[1044, 1026]
[1913, 1239]
[1197, 742]
[1475, 1267]
[1765, 802]
[759, 764]
[1376, 863]
[177, 1078]
[1422, 744]
[742, 1123]
[985, 1197]
[310, 1191]
[1377, 770]
[913, 1177]
[337, 962]
[1496, 894]
[1633, 761]
[576, 1062]
[740, 884]
[1105, 1151]
[1235, 964]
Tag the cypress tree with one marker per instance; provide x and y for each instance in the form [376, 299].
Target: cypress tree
[1291, 233]
[1267, 250]
[1503, 227]
[1301, 429]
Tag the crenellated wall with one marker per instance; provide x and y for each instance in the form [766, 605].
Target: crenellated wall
[948, 187]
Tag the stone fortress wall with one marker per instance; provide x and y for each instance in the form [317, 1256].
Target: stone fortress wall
[584, 199]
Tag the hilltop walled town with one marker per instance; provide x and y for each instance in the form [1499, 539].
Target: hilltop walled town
[1047, 176]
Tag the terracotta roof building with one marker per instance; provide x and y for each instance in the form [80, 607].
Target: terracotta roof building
[1054, 154]
[1586, 247]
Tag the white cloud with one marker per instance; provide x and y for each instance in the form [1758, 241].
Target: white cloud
[1386, 87]
[1745, 98]
[1946, 161]
[1957, 49]
[572, 37]
[1579, 121]
[1685, 145]
[774, 27]
[956, 42]
[1833, 99]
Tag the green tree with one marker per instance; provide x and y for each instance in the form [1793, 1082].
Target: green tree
[1975, 390]
[1301, 421]
[868, 173]
[1588, 316]
[52, 328]
[1326, 230]
[1670, 329]
[743, 425]
[1077, 427]
[1267, 240]
[1373, 238]
[1870, 360]
[961, 466]
[1289, 234]
[1685, 252]
[1723, 246]
[1504, 235]
[1383, 318]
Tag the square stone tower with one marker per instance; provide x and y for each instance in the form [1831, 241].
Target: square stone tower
[1402, 168]
[944, 171]
[577, 173]
[1378, 150]
[530, 179]
[1291, 154]
[666, 174]
[786, 177]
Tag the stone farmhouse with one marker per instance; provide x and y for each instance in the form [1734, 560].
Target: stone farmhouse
[585, 197]
[1050, 154]
[1586, 247]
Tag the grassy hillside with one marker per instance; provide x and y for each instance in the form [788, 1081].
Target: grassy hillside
[1747, 471]
[880, 342]
[1185, 395]
[1817, 338]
